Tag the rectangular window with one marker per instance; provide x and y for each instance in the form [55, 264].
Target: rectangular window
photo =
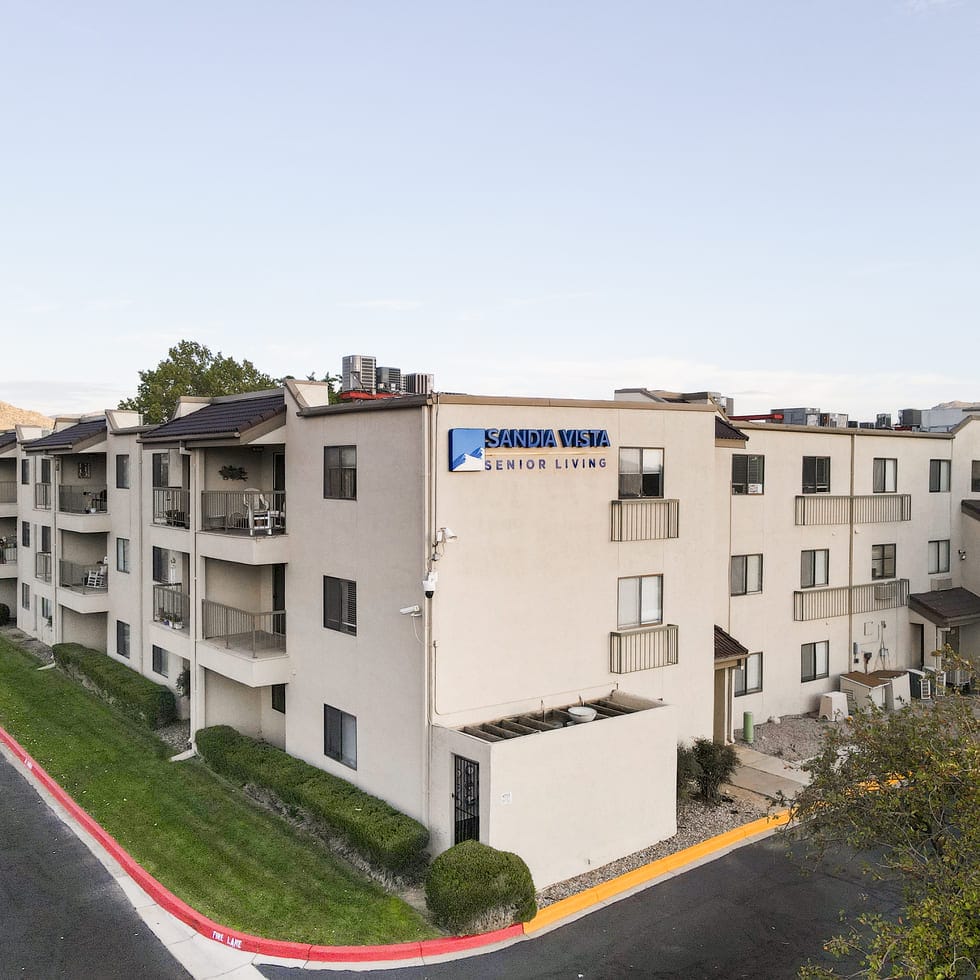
[161, 470]
[816, 474]
[161, 661]
[938, 556]
[46, 610]
[640, 601]
[45, 540]
[883, 561]
[814, 660]
[25, 472]
[279, 698]
[641, 473]
[748, 675]
[340, 472]
[748, 474]
[122, 554]
[340, 736]
[814, 568]
[746, 574]
[122, 638]
[122, 471]
[975, 476]
[25, 595]
[45, 471]
[340, 605]
[884, 475]
[25, 534]
[938, 476]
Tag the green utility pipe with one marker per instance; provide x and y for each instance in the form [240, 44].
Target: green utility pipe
[748, 728]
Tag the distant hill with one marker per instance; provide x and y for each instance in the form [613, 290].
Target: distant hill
[957, 405]
[11, 415]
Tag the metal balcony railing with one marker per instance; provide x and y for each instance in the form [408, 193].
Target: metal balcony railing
[259, 634]
[244, 511]
[8, 492]
[644, 519]
[8, 554]
[171, 607]
[42, 566]
[876, 508]
[172, 506]
[81, 499]
[849, 600]
[642, 649]
[42, 496]
[83, 578]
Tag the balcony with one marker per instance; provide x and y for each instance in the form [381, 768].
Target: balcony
[8, 492]
[244, 526]
[84, 579]
[83, 508]
[644, 519]
[171, 607]
[876, 508]
[849, 600]
[8, 561]
[42, 496]
[172, 507]
[642, 649]
[247, 647]
[42, 566]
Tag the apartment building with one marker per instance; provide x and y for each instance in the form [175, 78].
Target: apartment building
[499, 614]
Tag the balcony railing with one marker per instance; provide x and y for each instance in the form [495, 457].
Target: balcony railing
[83, 578]
[876, 508]
[8, 492]
[642, 649]
[42, 496]
[256, 633]
[171, 607]
[8, 554]
[244, 511]
[849, 600]
[81, 500]
[42, 566]
[644, 519]
[172, 506]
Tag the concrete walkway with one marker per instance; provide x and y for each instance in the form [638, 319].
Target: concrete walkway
[767, 775]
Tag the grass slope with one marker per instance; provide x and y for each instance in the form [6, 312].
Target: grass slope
[201, 838]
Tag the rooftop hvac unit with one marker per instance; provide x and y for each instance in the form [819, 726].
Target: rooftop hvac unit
[389, 379]
[419, 384]
[883, 420]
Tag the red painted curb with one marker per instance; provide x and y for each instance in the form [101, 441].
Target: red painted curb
[241, 940]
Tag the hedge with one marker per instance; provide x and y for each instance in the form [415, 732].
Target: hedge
[384, 836]
[472, 880]
[137, 696]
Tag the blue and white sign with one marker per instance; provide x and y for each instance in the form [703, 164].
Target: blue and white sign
[466, 450]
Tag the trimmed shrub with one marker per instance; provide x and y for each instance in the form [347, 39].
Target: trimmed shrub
[471, 883]
[688, 772]
[133, 694]
[382, 835]
[716, 763]
[4, 614]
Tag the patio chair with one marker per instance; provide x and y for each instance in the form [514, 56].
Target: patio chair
[95, 577]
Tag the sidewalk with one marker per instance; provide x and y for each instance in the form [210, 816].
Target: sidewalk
[767, 775]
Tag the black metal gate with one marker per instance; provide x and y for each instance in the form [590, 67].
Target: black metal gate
[466, 794]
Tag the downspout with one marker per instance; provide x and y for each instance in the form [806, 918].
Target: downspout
[430, 424]
[850, 562]
[58, 628]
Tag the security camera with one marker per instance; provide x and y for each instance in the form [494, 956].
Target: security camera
[429, 584]
[411, 610]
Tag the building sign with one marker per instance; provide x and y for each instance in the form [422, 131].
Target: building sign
[475, 450]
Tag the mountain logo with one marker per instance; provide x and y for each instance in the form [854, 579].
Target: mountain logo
[466, 450]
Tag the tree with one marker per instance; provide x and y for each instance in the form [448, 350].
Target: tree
[903, 789]
[191, 369]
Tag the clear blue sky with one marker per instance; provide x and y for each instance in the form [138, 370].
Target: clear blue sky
[778, 200]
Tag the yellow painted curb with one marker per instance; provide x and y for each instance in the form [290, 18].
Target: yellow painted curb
[598, 894]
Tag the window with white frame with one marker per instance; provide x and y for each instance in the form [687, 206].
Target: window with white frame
[641, 472]
[814, 660]
[161, 661]
[748, 675]
[746, 574]
[340, 736]
[748, 473]
[122, 554]
[939, 476]
[640, 601]
[884, 475]
[882, 561]
[939, 556]
[816, 474]
[340, 605]
[814, 568]
[122, 638]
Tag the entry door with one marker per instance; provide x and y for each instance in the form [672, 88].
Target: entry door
[466, 795]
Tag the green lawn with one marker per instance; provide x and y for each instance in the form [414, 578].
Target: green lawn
[200, 837]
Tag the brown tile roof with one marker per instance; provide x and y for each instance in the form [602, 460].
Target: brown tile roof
[947, 607]
[230, 417]
[725, 430]
[727, 647]
[69, 438]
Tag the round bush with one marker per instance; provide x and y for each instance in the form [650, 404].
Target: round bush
[472, 881]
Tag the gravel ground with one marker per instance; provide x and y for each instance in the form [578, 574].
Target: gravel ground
[793, 738]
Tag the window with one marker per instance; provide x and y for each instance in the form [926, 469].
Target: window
[340, 472]
[938, 476]
[746, 574]
[122, 471]
[814, 567]
[938, 556]
[641, 473]
[975, 476]
[816, 474]
[161, 469]
[815, 660]
[884, 475]
[122, 554]
[25, 534]
[748, 474]
[279, 698]
[883, 561]
[340, 605]
[164, 566]
[161, 661]
[122, 638]
[25, 596]
[45, 471]
[748, 675]
[46, 610]
[340, 736]
[45, 548]
[25, 472]
[640, 601]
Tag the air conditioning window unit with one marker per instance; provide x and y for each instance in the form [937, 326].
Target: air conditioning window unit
[886, 592]
[755, 488]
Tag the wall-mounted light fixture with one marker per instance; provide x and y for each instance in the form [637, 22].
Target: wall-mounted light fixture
[443, 535]
[962, 554]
